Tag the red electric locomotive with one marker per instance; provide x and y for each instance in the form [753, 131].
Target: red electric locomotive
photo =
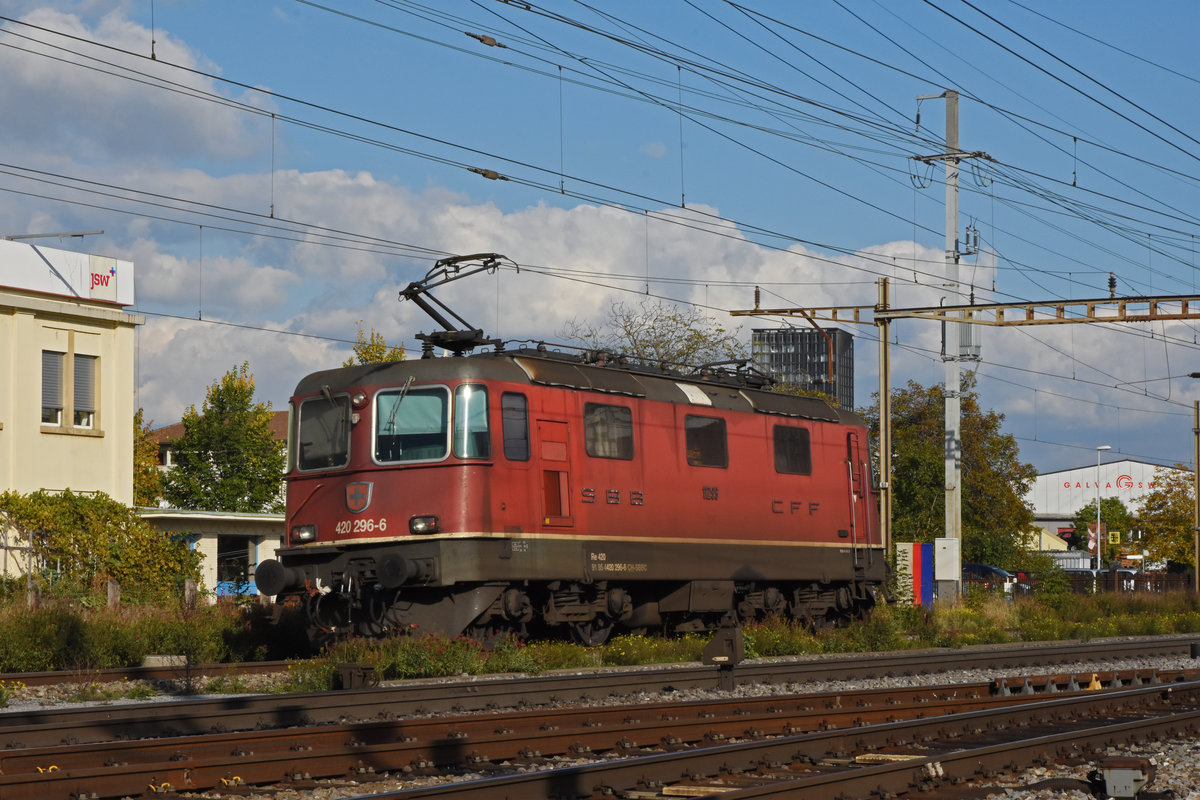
[537, 491]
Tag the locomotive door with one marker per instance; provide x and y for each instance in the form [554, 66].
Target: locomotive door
[556, 472]
[861, 513]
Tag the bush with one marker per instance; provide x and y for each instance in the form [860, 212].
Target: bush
[778, 636]
[66, 636]
[80, 542]
[41, 639]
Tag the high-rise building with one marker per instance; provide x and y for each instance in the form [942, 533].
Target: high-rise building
[801, 356]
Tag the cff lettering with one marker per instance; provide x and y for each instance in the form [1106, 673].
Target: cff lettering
[794, 507]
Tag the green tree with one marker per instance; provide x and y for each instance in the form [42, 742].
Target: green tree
[147, 477]
[659, 333]
[1114, 515]
[82, 541]
[994, 479]
[227, 459]
[1167, 516]
[370, 348]
[796, 390]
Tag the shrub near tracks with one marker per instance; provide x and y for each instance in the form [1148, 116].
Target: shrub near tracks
[58, 636]
[61, 637]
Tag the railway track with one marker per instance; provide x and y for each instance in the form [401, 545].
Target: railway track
[48, 726]
[851, 665]
[853, 729]
[291, 740]
[924, 756]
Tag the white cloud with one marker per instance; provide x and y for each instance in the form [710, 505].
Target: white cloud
[321, 279]
[96, 106]
[654, 149]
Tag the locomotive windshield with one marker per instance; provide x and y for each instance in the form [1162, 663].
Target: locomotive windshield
[471, 438]
[412, 425]
[323, 433]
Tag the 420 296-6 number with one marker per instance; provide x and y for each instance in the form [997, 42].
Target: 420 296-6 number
[346, 526]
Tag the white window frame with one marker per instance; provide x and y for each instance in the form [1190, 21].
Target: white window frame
[53, 394]
[76, 408]
[85, 390]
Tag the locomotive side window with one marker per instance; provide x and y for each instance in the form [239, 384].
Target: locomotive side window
[471, 436]
[412, 425]
[793, 451]
[705, 439]
[323, 433]
[608, 431]
[514, 413]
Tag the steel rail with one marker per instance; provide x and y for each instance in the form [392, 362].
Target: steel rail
[955, 763]
[145, 673]
[198, 763]
[48, 726]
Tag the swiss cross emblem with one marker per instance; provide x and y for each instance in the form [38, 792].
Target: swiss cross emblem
[358, 496]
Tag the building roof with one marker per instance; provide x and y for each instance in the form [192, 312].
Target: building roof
[80, 277]
[1058, 495]
[169, 433]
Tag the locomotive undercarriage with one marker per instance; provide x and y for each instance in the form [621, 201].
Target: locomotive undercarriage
[434, 586]
[587, 613]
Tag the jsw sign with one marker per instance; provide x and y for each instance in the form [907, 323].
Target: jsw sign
[104, 284]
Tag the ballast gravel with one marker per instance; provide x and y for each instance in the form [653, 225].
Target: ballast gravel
[1176, 762]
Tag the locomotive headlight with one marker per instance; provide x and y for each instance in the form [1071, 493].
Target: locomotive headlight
[304, 533]
[359, 400]
[428, 524]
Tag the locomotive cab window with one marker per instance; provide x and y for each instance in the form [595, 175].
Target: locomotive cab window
[793, 450]
[412, 425]
[706, 441]
[471, 436]
[608, 431]
[323, 433]
[514, 420]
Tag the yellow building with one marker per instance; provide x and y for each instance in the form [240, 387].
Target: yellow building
[66, 371]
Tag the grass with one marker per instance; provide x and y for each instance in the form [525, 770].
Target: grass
[73, 638]
[981, 619]
[92, 692]
[8, 690]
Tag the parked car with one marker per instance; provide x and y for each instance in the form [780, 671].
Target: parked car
[990, 577]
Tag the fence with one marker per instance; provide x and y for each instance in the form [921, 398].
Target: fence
[1109, 581]
[1088, 581]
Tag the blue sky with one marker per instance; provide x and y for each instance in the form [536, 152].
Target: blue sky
[280, 170]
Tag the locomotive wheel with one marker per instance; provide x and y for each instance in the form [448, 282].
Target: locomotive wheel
[591, 633]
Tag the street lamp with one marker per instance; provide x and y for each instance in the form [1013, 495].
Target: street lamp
[1099, 450]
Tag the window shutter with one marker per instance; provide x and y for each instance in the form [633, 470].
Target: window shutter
[52, 379]
[85, 383]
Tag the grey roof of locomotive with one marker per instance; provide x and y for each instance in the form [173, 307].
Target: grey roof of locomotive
[722, 389]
